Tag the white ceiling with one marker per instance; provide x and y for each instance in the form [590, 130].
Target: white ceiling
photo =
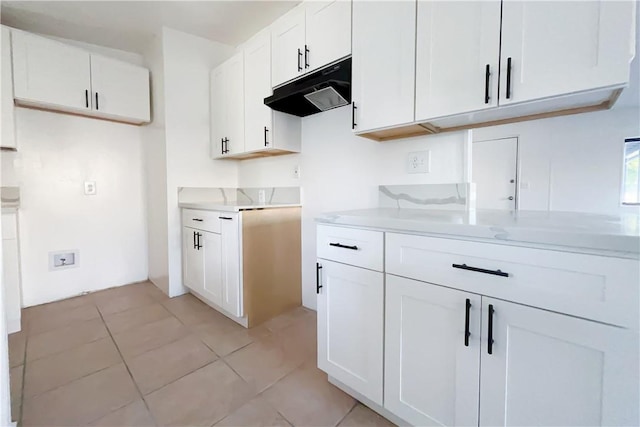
[129, 25]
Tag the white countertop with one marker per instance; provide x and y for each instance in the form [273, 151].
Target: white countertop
[574, 232]
[232, 206]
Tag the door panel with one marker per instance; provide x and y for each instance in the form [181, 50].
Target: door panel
[231, 291]
[328, 32]
[551, 369]
[350, 327]
[257, 86]
[218, 111]
[193, 264]
[234, 103]
[287, 37]
[431, 376]
[494, 171]
[212, 286]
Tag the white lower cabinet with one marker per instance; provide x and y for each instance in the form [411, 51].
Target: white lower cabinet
[213, 266]
[193, 266]
[351, 325]
[431, 366]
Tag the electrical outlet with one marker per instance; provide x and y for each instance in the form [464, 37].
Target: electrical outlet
[63, 259]
[296, 171]
[90, 188]
[419, 162]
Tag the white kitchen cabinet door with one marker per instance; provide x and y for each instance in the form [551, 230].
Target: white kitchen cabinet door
[350, 326]
[212, 253]
[551, 48]
[231, 285]
[234, 103]
[287, 46]
[328, 32]
[218, 111]
[7, 120]
[432, 370]
[193, 259]
[120, 89]
[457, 57]
[258, 123]
[383, 71]
[50, 73]
[549, 369]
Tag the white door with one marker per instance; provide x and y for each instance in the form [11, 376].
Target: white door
[350, 326]
[328, 32]
[258, 129]
[383, 71]
[120, 89]
[7, 120]
[218, 112]
[212, 253]
[193, 259]
[548, 369]
[432, 368]
[287, 42]
[230, 247]
[50, 73]
[551, 48]
[494, 171]
[457, 57]
[234, 103]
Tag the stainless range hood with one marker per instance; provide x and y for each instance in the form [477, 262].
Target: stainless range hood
[321, 90]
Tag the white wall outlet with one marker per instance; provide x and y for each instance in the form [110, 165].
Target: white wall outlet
[419, 162]
[90, 188]
[296, 171]
[63, 259]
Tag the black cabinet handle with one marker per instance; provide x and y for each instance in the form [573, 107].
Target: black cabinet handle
[266, 143]
[306, 56]
[199, 236]
[196, 219]
[299, 58]
[490, 333]
[225, 145]
[318, 285]
[340, 245]
[467, 334]
[86, 98]
[353, 115]
[225, 217]
[508, 77]
[480, 270]
[194, 240]
[221, 145]
[487, 74]
[97, 107]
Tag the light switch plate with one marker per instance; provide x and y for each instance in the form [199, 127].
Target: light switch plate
[90, 188]
[419, 162]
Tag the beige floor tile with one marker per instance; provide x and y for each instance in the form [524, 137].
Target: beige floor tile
[56, 307]
[17, 347]
[201, 398]
[150, 336]
[305, 397]
[223, 336]
[81, 401]
[300, 337]
[65, 338]
[265, 361]
[159, 367]
[154, 291]
[61, 368]
[136, 415]
[255, 413]
[295, 315]
[55, 320]
[127, 301]
[190, 310]
[127, 320]
[363, 416]
[15, 380]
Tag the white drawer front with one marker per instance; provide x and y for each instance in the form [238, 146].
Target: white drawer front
[362, 248]
[595, 287]
[202, 220]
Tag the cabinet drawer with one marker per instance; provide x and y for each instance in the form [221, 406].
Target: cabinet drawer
[594, 287]
[202, 220]
[362, 248]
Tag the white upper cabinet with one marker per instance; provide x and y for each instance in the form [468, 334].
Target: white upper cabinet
[218, 112]
[120, 89]
[457, 57]
[383, 73]
[287, 55]
[50, 73]
[328, 32]
[227, 107]
[7, 120]
[258, 122]
[562, 47]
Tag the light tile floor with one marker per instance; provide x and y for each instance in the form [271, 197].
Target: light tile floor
[130, 356]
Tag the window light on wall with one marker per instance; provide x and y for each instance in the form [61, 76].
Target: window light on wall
[630, 172]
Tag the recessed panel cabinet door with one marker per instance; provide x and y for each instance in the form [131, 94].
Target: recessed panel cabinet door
[457, 57]
[234, 103]
[287, 41]
[218, 111]
[350, 327]
[551, 48]
[328, 32]
[383, 74]
[554, 370]
[50, 72]
[231, 291]
[258, 120]
[193, 260]
[120, 89]
[432, 370]
[212, 285]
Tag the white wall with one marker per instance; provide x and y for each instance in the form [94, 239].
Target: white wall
[341, 171]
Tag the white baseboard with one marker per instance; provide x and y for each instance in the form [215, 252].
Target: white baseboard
[13, 325]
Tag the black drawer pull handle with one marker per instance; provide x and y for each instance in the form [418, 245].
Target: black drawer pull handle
[467, 334]
[299, 58]
[480, 270]
[197, 219]
[487, 74]
[199, 245]
[266, 143]
[97, 107]
[225, 217]
[353, 115]
[318, 285]
[508, 78]
[86, 98]
[194, 241]
[490, 333]
[306, 56]
[340, 245]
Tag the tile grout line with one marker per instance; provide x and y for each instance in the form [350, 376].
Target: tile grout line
[348, 412]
